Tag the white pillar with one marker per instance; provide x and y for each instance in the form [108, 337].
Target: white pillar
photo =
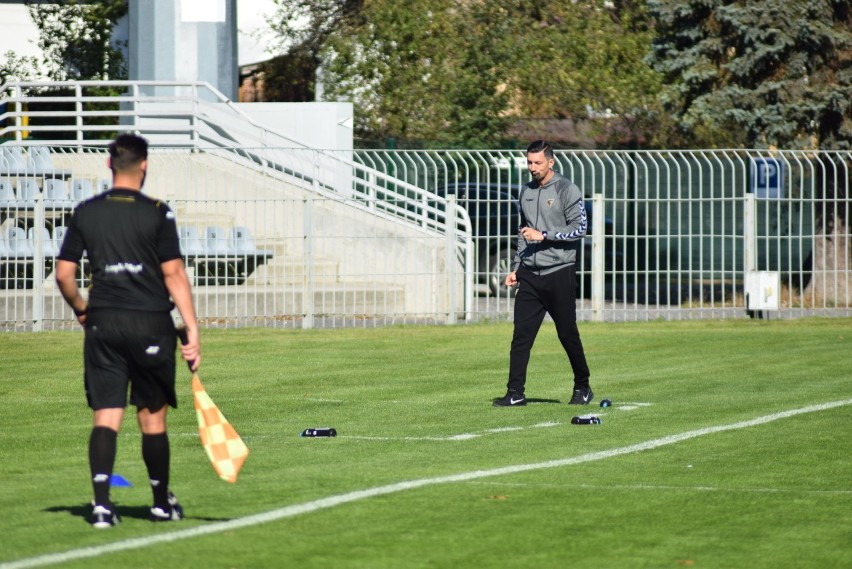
[184, 40]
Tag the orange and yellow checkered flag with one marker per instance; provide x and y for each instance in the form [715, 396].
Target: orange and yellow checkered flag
[224, 447]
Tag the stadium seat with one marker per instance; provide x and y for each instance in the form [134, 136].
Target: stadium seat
[242, 241]
[27, 192]
[7, 193]
[243, 244]
[4, 247]
[217, 242]
[190, 244]
[40, 162]
[13, 159]
[16, 241]
[81, 190]
[47, 245]
[56, 195]
[58, 237]
[39, 158]
[104, 185]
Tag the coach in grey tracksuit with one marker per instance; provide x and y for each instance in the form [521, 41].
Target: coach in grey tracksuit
[553, 224]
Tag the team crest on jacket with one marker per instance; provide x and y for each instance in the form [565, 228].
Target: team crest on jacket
[550, 203]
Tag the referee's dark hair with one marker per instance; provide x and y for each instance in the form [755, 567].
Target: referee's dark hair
[537, 146]
[127, 151]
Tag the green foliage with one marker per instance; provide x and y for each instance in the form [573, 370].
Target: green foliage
[580, 59]
[76, 39]
[19, 68]
[460, 73]
[580, 56]
[476, 109]
[409, 69]
[291, 77]
[302, 28]
[768, 73]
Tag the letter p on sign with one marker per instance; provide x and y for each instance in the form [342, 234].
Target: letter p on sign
[767, 178]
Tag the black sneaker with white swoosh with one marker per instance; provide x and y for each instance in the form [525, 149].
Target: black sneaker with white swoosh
[172, 513]
[511, 399]
[582, 397]
[104, 517]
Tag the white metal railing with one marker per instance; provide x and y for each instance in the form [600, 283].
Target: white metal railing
[196, 115]
[88, 109]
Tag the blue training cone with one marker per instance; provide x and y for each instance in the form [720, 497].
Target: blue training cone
[120, 481]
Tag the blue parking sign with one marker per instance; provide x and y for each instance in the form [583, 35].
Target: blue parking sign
[767, 178]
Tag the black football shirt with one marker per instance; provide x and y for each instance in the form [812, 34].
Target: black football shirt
[126, 235]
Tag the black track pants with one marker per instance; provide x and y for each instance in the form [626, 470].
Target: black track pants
[554, 294]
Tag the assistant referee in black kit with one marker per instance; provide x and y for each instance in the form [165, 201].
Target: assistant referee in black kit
[133, 250]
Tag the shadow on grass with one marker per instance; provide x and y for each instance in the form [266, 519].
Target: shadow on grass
[126, 512]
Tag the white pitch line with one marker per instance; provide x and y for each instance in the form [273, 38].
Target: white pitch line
[332, 501]
[504, 429]
[670, 487]
[456, 437]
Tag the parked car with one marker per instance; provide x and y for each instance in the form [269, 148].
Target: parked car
[495, 220]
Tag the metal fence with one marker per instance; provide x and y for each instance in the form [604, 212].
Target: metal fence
[675, 235]
[682, 230]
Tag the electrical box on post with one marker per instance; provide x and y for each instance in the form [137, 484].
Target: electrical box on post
[762, 290]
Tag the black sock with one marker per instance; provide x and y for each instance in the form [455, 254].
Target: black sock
[155, 453]
[102, 448]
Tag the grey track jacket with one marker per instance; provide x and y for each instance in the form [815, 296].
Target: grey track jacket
[557, 208]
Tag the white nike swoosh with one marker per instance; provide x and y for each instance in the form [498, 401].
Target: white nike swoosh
[513, 401]
[586, 398]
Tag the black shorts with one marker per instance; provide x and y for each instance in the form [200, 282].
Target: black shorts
[130, 346]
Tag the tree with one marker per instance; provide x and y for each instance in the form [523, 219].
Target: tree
[413, 70]
[476, 111]
[302, 28]
[460, 72]
[76, 39]
[584, 60]
[15, 68]
[19, 68]
[775, 73]
[397, 61]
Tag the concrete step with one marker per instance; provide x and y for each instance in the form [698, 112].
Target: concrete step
[293, 271]
[248, 305]
[352, 300]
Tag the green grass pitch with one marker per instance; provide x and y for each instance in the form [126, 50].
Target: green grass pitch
[654, 486]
